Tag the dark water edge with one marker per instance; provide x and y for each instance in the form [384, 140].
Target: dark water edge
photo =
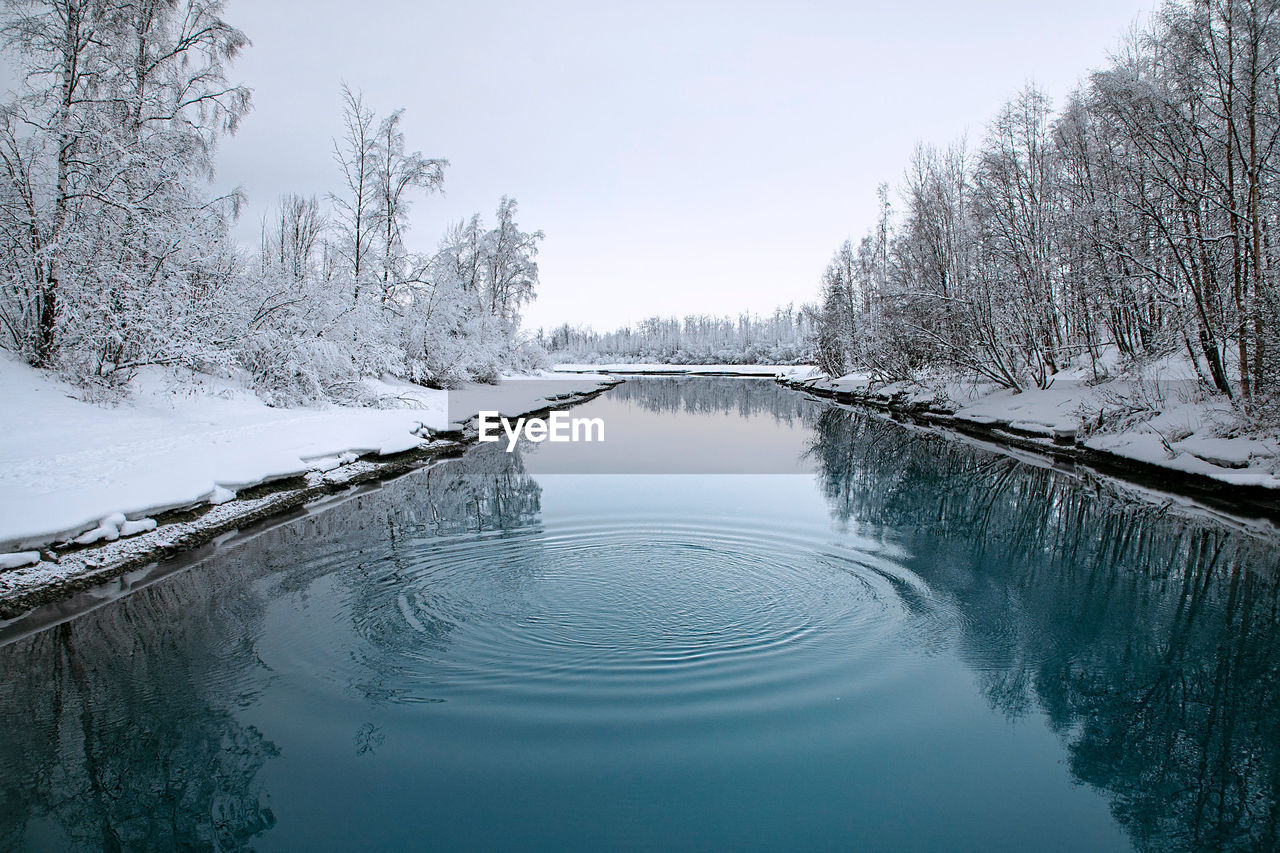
[1258, 505]
[483, 653]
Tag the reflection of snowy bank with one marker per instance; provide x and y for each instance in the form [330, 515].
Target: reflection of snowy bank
[74, 471]
[1159, 427]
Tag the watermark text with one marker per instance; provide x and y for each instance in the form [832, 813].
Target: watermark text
[559, 427]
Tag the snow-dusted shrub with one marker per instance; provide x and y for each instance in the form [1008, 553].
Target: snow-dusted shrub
[291, 371]
[528, 355]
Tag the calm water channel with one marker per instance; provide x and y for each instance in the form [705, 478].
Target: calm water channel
[874, 638]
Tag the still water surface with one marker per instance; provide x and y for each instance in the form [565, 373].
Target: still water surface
[877, 639]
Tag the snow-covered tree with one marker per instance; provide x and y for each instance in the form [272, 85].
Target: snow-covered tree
[1139, 217]
[113, 255]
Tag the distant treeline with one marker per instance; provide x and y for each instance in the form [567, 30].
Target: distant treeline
[783, 337]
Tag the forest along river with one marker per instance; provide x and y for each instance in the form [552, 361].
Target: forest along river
[874, 638]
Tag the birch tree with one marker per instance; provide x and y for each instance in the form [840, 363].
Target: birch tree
[112, 252]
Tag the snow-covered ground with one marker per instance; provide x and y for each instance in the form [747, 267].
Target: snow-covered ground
[1158, 415]
[74, 469]
[783, 370]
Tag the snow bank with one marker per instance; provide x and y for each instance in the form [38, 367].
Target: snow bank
[1156, 415]
[67, 467]
[19, 559]
[1163, 423]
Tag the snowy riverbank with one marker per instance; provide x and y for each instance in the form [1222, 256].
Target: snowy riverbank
[71, 470]
[1155, 425]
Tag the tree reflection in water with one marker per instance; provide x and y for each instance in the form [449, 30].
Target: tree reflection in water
[714, 395]
[1150, 639]
[119, 730]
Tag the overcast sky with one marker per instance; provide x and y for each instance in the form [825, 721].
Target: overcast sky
[681, 157]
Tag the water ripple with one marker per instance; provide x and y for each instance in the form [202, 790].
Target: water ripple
[607, 620]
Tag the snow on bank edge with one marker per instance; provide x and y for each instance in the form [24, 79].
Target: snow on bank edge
[70, 469]
[1180, 431]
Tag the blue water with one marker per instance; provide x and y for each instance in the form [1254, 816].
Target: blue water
[874, 639]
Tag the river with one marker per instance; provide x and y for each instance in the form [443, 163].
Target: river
[746, 620]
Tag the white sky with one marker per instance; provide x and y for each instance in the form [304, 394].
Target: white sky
[688, 157]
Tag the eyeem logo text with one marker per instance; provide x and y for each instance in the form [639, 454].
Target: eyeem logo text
[559, 427]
